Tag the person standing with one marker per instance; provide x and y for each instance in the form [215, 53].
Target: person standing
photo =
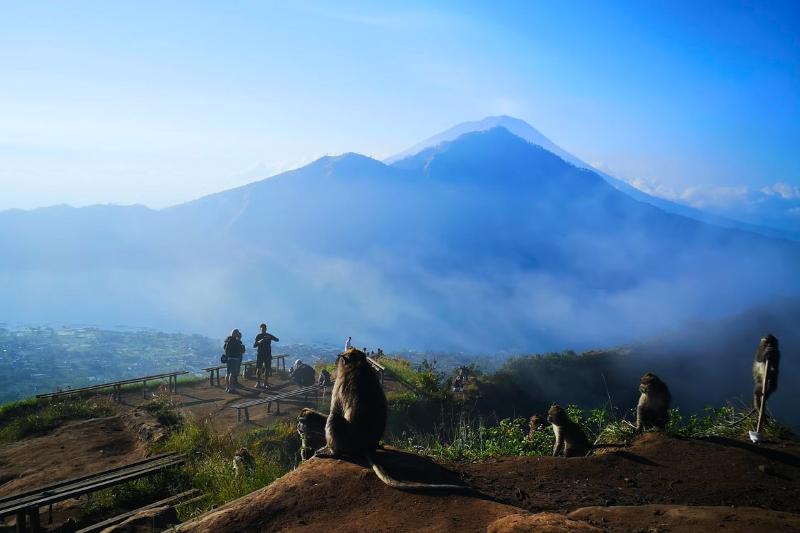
[234, 350]
[348, 343]
[264, 356]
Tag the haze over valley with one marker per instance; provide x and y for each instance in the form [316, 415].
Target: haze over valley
[477, 240]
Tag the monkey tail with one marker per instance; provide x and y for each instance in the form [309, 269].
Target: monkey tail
[405, 485]
[742, 418]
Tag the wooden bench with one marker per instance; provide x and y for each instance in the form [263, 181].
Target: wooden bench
[247, 368]
[117, 386]
[25, 505]
[212, 370]
[379, 368]
[280, 362]
[178, 498]
[305, 392]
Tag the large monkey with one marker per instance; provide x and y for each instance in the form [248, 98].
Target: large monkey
[357, 418]
[767, 360]
[569, 435]
[653, 407]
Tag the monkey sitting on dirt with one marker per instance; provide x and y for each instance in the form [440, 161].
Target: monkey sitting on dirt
[357, 420]
[653, 407]
[243, 462]
[311, 427]
[767, 360]
[536, 424]
[569, 435]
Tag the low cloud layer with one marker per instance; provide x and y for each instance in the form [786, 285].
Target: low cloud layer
[776, 205]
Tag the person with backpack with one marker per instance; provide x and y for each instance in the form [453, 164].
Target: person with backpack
[263, 343]
[302, 374]
[234, 350]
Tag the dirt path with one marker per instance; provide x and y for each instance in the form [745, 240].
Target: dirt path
[74, 449]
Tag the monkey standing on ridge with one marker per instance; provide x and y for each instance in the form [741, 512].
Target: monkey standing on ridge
[767, 359]
[653, 407]
[569, 435]
[357, 418]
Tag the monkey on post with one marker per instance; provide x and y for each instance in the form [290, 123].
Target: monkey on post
[654, 402]
[357, 419]
[766, 361]
[569, 435]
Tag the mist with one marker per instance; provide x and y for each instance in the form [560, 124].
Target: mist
[483, 244]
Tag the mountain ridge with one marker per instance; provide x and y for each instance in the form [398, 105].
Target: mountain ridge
[526, 131]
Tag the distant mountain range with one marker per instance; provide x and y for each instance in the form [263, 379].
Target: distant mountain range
[476, 240]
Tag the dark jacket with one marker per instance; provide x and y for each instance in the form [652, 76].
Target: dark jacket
[234, 348]
[264, 343]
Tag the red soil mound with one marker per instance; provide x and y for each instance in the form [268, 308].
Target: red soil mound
[333, 495]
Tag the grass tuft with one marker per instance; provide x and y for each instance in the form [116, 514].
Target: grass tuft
[27, 418]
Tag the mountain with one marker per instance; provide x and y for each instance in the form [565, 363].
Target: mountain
[480, 243]
[525, 131]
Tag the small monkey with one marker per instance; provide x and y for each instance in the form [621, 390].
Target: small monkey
[569, 435]
[243, 462]
[536, 423]
[767, 360]
[654, 402]
[311, 427]
[357, 418]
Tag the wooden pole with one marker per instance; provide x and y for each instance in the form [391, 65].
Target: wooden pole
[762, 408]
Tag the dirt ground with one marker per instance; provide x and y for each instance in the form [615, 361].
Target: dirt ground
[72, 450]
[656, 469]
[82, 447]
[203, 401]
[659, 484]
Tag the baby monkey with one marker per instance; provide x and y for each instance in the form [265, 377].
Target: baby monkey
[569, 435]
[536, 424]
[243, 462]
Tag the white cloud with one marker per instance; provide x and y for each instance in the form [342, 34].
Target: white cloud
[717, 196]
[776, 205]
[784, 190]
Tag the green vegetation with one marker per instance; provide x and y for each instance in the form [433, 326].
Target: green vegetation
[209, 465]
[461, 429]
[27, 418]
[428, 419]
[476, 440]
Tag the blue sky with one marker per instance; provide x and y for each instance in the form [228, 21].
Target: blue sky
[160, 102]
